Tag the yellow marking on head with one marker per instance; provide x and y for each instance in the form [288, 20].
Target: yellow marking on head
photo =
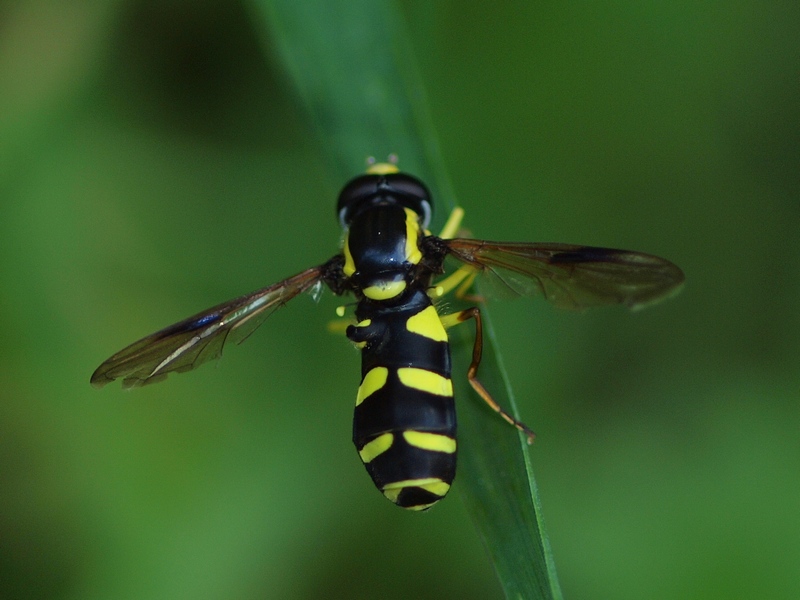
[373, 381]
[382, 168]
[376, 447]
[430, 484]
[385, 290]
[427, 381]
[349, 265]
[426, 323]
[413, 253]
[435, 442]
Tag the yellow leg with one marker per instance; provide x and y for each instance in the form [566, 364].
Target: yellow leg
[339, 326]
[462, 279]
[472, 372]
[453, 223]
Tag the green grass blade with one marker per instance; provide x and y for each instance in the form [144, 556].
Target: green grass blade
[496, 471]
[352, 66]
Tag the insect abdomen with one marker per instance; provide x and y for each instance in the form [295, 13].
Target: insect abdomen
[405, 425]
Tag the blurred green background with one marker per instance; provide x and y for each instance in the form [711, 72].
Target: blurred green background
[153, 162]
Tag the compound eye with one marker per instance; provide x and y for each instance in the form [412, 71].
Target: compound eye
[366, 189]
[407, 185]
[363, 186]
[411, 192]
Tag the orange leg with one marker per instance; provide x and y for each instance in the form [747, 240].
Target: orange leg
[472, 372]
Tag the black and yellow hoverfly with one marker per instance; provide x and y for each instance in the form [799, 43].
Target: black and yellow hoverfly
[405, 424]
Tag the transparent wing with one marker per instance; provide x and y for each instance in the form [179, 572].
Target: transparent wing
[198, 339]
[571, 276]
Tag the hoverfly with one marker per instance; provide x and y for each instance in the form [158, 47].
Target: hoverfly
[405, 425]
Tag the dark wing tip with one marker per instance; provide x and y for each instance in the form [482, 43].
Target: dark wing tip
[584, 254]
[573, 276]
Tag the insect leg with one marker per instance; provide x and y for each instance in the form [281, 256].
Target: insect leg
[472, 372]
[461, 279]
[339, 326]
[453, 223]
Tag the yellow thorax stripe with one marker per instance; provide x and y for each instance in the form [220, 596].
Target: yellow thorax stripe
[349, 265]
[413, 253]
